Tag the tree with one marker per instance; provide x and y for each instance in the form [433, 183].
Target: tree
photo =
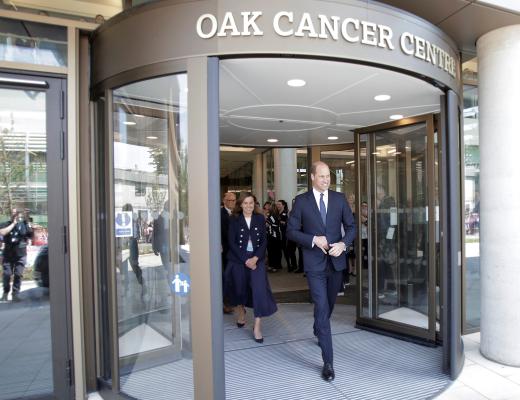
[14, 168]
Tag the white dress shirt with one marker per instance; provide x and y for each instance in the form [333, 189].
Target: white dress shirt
[325, 198]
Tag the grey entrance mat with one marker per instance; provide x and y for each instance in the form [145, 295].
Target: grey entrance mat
[287, 365]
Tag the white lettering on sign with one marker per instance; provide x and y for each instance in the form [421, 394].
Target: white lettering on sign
[352, 30]
[276, 23]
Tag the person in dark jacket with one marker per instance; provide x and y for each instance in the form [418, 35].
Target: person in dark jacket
[274, 239]
[229, 202]
[16, 233]
[246, 271]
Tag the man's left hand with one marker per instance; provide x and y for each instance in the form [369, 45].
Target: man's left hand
[336, 249]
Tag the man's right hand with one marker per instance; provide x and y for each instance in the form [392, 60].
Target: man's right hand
[321, 242]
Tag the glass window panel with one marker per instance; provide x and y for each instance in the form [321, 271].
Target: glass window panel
[342, 170]
[363, 230]
[472, 207]
[24, 306]
[152, 233]
[301, 171]
[33, 43]
[269, 175]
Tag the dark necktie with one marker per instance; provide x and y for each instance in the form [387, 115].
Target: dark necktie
[323, 210]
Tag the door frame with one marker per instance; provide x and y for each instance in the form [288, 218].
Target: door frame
[374, 322]
[55, 88]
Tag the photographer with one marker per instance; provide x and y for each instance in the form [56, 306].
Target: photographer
[16, 233]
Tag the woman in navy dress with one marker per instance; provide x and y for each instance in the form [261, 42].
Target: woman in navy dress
[245, 272]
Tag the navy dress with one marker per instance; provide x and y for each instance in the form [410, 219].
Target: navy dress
[243, 285]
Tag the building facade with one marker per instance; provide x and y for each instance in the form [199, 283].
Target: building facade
[111, 139]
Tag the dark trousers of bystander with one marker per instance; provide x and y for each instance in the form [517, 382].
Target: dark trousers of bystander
[13, 266]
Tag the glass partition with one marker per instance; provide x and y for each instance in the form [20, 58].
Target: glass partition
[152, 234]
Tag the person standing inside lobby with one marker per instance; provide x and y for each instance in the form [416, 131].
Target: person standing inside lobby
[315, 223]
[228, 204]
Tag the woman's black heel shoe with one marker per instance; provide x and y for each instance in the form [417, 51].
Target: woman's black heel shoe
[261, 340]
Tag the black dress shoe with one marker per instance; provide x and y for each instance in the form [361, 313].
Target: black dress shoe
[327, 373]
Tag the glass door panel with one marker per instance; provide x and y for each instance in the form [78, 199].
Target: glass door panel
[23, 198]
[401, 223]
[398, 275]
[151, 229]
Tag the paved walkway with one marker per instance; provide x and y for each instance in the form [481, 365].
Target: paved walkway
[482, 379]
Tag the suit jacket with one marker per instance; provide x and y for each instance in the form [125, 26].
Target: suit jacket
[224, 227]
[238, 235]
[305, 222]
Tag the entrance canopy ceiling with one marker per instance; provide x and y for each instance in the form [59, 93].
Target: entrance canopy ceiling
[257, 104]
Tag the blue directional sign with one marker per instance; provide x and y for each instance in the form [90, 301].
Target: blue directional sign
[181, 284]
[123, 222]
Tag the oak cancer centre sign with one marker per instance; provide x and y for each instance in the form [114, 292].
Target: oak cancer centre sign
[323, 27]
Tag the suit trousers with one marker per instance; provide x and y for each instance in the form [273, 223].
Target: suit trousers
[324, 287]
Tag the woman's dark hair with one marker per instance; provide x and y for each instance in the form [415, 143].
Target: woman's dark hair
[238, 206]
[285, 206]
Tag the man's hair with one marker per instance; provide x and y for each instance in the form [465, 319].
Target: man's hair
[315, 165]
[230, 193]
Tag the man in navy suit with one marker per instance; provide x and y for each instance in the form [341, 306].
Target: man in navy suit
[315, 223]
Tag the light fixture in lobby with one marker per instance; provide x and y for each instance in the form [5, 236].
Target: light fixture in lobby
[296, 82]
[129, 123]
[272, 140]
[382, 97]
[396, 116]
[332, 138]
[152, 137]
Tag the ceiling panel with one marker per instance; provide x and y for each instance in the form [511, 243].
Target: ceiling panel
[257, 104]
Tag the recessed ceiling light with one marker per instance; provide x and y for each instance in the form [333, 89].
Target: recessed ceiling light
[138, 116]
[296, 82]
[152, 137]
[396, 116]
[332, 138]
[376, 153]
[272, 140]
[129, 123]
[350, 162]
[382, 97]
[397, 152]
